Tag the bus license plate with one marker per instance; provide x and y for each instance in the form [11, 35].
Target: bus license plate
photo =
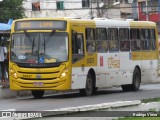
[38, 84]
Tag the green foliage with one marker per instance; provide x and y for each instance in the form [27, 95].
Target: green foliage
[11, 9]
[150, 100]
[152, 109]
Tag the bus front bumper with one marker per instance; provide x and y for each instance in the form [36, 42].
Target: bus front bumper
[55, 84]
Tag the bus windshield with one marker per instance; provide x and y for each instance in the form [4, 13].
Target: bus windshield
[39, 47]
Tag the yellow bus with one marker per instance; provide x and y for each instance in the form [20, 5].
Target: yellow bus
[67, 54]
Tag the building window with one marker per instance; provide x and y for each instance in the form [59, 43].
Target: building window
[85, 3]
[60, 5]
[36, 6]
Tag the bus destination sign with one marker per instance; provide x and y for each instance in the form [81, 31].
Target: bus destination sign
[40, 25]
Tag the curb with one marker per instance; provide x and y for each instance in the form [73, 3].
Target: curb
[84, 108]
[102, 106]
[98, 106]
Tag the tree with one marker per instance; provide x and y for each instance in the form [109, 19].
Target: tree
[11, 9]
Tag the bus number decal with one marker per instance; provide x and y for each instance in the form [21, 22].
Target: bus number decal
[90, 60]
[27, 76]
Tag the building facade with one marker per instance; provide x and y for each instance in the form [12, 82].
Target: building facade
[79, 8]
[149, 10]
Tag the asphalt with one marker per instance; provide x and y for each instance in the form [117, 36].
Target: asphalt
[131, 107]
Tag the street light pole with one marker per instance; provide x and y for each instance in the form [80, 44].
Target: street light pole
[91, 9]
[147, 10]
[98, 13]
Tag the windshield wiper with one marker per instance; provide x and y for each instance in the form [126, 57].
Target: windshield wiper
[51, 34]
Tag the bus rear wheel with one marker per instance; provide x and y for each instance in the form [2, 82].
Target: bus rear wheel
[136, 80]
[37, 93]
[89, 89]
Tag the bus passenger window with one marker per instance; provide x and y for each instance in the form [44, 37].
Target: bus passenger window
[145, 39]
[101, 34]
[113, 39]
[125, 46]
[134, 46]
[101, 40]
[90, 40]
[153, 39]
[135, 39]
[124, 39]
[90, 46]
[77, 44]
[78, 47]
[80, 44]
[90, 34]
[102, 46]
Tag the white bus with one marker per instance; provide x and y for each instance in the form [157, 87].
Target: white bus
[95, 54]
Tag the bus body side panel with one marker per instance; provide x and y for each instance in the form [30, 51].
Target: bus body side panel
[111, 64]
[108, 69]
[80, 71]
[81, 67]
[149, 66]
[127, 66]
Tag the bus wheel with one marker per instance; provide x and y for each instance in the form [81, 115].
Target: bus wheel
[136, 80]
[88, 91]
[37, 93]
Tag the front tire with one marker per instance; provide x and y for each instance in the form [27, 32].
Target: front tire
[89, 89]
[37, 93]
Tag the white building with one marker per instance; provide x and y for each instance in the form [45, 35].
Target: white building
[76, 8]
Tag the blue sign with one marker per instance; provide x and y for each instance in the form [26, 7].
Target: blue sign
[41, 60]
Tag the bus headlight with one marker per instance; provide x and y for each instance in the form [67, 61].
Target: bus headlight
[64, 73]
[13, 73]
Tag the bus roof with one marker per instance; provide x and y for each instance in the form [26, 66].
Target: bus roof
[100, 22]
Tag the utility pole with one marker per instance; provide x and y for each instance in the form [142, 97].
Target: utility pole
[147, 10]
[98, 12]
[91, 9]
